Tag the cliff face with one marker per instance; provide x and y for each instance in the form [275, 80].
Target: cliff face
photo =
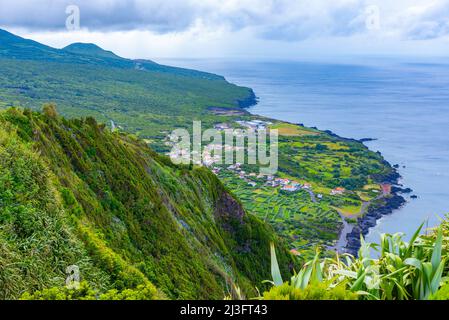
[249, 101]
[73, 193]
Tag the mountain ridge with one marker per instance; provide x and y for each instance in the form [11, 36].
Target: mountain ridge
[86, 80]
[90, 49]
[16, 47]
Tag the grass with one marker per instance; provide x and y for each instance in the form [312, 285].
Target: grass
[350, 211]
[292, 130]
[371, 187]
[364, 196]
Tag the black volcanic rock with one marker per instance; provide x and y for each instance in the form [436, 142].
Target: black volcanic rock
[365, 223]
[367, 139]
[249, 101]
[396, 189]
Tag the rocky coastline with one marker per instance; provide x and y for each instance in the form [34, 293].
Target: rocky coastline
[369, 220]
[380, 208]
[249, 101]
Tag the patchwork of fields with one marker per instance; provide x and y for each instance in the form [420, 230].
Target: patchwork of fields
[334, 176]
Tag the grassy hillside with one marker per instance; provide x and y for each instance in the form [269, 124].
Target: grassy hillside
[83, 80]
[74, 193]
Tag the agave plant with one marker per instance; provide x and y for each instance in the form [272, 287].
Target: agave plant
[403, 270]
[426, 276]
[311, 273]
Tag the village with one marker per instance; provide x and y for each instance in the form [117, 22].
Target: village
[184, 155]
[255, 125]
[288, 202]
[257, 180]
[212, 157]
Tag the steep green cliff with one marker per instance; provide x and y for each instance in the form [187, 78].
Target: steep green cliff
[74, 193]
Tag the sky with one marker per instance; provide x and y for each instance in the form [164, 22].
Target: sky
[284, 29]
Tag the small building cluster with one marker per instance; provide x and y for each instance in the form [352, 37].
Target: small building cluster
[386, 188]
[222, 126]
[286, 184]
[338, 191]
[255, 125]
[208, 159]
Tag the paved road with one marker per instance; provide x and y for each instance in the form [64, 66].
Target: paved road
[342, 240]
[312, 195]
[347, 227]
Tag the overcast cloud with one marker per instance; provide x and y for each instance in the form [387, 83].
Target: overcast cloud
[220, 25]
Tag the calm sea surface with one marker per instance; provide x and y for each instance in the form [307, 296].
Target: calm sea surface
[405, 105]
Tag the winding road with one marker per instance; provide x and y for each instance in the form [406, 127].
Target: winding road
[347, 227]
[312, 195]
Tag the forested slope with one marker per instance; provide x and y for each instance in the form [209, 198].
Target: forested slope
[74, 193]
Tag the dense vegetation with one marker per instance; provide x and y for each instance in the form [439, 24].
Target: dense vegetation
[74, 193]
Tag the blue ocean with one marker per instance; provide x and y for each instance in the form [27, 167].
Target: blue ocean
[404, 104]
